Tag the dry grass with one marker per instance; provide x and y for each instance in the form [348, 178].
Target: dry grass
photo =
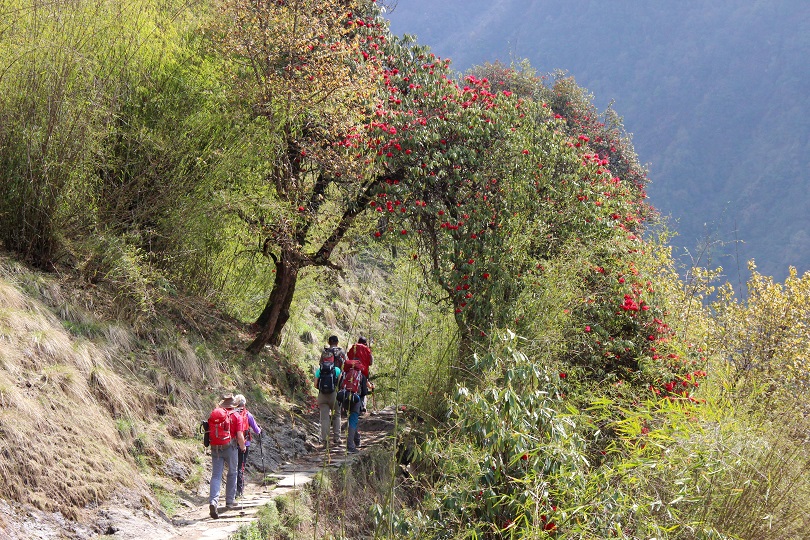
[10, 297]
[112, 390]
[61, 447]
[181, 359]
[772, 495]
[64, 398]
[74, 456]
[342, 497]
[91, 405]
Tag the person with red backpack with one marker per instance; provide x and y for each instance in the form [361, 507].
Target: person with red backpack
[250, 426]
[362, 352]
[353, 388]
[326, 380]
[227, 438]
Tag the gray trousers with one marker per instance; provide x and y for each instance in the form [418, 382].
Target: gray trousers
[221, 457]
[327, 403]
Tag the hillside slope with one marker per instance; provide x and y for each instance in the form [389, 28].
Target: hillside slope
[99, 416]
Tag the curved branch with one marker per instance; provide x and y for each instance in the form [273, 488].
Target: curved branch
[266, 250]
[321, 257]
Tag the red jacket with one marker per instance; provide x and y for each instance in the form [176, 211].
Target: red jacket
[361, 352]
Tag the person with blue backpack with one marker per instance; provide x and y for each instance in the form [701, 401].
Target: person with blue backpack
[326, 380]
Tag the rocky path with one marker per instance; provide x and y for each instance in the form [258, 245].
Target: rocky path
[195, 523]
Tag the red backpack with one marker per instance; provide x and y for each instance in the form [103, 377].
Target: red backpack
[245, 423]
[352, 376]
[219, 427]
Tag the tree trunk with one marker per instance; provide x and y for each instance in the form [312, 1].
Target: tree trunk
[277, 310]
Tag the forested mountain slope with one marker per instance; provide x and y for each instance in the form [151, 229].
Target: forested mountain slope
[715, 94]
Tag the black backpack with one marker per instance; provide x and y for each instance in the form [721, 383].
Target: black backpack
[206, 433]
[327, 380]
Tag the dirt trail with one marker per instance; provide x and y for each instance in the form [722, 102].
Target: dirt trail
[196, 524]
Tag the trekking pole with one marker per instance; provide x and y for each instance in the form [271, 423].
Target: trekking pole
[261, 451]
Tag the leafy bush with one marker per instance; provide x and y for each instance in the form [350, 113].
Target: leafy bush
[510, 450]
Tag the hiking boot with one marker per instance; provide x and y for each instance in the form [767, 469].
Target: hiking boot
[233, 506]
[212, 511]
[352, 450]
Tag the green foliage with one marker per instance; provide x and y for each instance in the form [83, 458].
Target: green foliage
[415, 353]
[168, 502]
[712, 470]
[509, 208]
[280, 519]
[509, 449]
[519, 460]
[62, 79]
[124, 268]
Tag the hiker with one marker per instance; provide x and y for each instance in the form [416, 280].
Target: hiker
[362, 352]
[227, 439]
[353, 388]
[326, 380]
[250, 426]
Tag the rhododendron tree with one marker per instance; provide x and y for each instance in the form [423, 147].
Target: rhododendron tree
[308, 69]
[495, 185]
[501, 188]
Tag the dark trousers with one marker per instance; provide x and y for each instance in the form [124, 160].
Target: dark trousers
[240, 476]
